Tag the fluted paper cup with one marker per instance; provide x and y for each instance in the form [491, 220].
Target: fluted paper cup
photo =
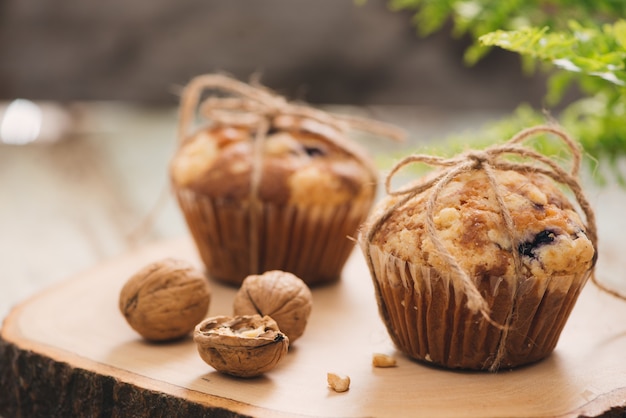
[426, 315]
[313, 242]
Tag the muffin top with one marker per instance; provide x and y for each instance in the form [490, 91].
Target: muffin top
[550, 236]
[299, 165]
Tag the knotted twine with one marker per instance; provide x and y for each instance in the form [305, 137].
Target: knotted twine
[258, 108]
[487, 161]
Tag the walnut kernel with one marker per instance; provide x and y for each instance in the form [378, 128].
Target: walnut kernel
[383, 360]
[243, 346]
[279, 294]
[337, 382]
[165, 299]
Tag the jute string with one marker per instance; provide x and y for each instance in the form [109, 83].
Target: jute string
[497, 157]
[488, 160]
[259, 109]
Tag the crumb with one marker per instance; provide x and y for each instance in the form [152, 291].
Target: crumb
[337, 382]
[383, 360]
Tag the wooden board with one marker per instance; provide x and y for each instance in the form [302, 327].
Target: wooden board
[69, 351]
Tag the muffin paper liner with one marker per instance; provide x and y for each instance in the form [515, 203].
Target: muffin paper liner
[311, 242]
[426, 315]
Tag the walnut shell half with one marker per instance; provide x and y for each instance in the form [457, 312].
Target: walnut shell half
[165, 299]
[243, 346]
[279, 294]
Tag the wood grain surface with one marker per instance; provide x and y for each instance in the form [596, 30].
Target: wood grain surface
[69, 351]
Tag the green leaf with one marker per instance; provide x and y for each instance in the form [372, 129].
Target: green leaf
[581, 42]
[589, 51]
[557, 85]
[474, 53]
[432, 16]
[619, 30]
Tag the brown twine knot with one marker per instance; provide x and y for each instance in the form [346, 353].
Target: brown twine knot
[489, 160]
[478, 157]
[259, 108]
[250, 105]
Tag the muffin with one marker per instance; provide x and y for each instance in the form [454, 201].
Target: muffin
[527, 275]
[288, 201]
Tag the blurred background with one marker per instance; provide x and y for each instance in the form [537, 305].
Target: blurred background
[323, 51]
[89, 95]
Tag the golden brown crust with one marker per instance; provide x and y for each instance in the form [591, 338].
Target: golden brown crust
[551, 237]
[299, 167]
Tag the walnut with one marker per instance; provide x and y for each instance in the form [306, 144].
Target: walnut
[338, 383]
[281, 295]
[243, 346]
[165, 299]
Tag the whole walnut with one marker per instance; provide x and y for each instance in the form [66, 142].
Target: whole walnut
[165, 299]
[280, 295]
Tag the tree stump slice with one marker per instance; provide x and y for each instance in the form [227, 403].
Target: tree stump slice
[69, 352]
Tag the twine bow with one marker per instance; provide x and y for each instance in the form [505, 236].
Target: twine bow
[489, 160]
[253, 105]
[259, 109]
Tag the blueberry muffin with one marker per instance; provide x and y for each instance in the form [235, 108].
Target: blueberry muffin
[314, 188]
[529, 277]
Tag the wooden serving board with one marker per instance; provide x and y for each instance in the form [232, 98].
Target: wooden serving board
[69, 352]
